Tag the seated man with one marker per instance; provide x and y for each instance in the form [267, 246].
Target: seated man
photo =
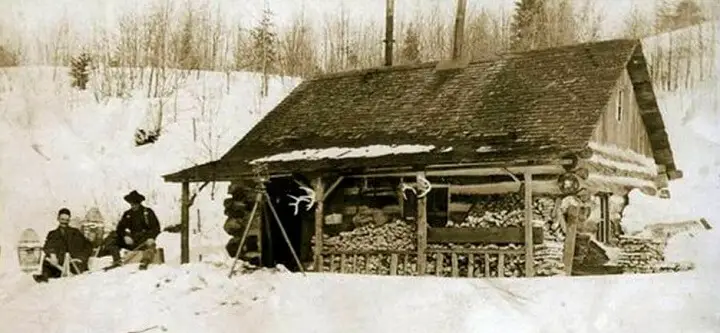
[64, 239]
[137, 230]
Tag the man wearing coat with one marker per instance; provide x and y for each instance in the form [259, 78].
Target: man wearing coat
[65, 239]
[136, 230]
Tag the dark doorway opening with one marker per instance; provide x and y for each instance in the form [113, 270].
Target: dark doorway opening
[275, 247]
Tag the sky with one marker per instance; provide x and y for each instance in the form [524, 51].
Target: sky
[34, 15]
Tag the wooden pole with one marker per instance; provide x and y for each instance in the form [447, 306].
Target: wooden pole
[529, 248]
[319, 193]
[459, 29]
[185, 224]
[258, 202]
[389, 22]
[421, 229]
[573, 217]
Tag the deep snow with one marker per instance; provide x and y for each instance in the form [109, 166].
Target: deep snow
[62, 147]
[79, 155]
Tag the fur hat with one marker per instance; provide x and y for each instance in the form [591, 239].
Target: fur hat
[134, 197]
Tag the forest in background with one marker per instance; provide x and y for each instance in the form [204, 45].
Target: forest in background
[196, 36]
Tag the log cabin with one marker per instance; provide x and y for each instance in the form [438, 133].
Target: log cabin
[482, 168]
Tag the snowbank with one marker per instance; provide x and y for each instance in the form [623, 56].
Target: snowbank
[200, 298]
[63, 147]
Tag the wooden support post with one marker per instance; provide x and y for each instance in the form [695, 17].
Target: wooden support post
[185, 224]
[471, 265]
[487, 265]
[406, 265]
[393, 264]
[501, 265]
[319, 193]
[454, 264]
[421, 229]
[571, 222]
[439, 259]
[529, 248]
[343, 263]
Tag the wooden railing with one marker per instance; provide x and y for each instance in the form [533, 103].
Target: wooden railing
[471, 263]
[370, 262]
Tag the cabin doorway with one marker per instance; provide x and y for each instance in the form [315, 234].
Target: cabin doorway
[275, 247]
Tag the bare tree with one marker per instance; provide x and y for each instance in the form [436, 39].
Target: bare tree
[298, 56]
[636, 25]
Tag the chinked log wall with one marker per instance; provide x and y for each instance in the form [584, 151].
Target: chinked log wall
[462, 262]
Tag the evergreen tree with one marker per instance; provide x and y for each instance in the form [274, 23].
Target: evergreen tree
[8, 58]
[80, 71]
[188, 57]
[410, 52]
[678, 15]
[527, 26]
[264, 48]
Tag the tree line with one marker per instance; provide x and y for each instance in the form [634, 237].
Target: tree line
[196, 37]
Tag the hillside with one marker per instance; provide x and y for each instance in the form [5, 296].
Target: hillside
[64, 147]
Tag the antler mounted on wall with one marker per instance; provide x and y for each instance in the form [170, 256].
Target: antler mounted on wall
[309, 198]
[424, 187]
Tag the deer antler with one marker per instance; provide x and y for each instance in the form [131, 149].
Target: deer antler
[425, 185]
[309, 197]
[404, 187]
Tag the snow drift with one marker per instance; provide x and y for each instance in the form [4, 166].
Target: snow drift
[64, 147]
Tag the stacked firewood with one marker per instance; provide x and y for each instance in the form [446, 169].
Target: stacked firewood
[397, 235]
[549, 259]
[238, 205]
[641, 255]
[504, 211]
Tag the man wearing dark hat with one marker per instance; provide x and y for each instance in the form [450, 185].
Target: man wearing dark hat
[64, 239]
[137, 230]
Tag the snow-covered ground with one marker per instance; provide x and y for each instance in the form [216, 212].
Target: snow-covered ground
[200, 298]
[61, 147]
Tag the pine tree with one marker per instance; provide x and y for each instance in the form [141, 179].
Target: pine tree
[8, 58]
[188, 57]
[410, 52]
[80, 71]
[265, 48]
[527, 25]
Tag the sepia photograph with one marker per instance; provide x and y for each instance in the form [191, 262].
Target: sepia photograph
[356, 166]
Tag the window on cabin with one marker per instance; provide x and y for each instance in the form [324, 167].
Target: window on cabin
[619, 107]
[604, 232]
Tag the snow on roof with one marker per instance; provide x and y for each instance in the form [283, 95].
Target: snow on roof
[341, 153]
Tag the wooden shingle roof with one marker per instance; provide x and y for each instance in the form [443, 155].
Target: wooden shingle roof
[534, 105]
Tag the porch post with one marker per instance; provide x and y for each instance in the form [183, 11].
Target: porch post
[185, 224]
[529, 248]
[319, 202]
[421, 229]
